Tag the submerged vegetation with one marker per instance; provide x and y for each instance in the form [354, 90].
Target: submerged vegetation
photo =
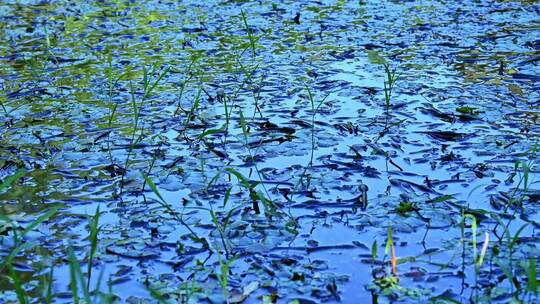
[262, 151]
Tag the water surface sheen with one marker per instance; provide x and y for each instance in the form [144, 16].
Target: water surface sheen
[265, 129]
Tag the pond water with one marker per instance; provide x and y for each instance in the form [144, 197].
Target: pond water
[269, 151]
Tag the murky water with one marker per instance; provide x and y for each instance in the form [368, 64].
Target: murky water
[273, 128]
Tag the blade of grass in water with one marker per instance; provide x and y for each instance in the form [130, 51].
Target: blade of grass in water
[249, 33]
[184, 83]
[193, 109]
[76, 275]
[40, 220]
[473, 228]
[94, 231]
[167, 206]
[49, 294]
[222, 277]
[532, 281]
[149, 89]
[374, 251]
[21, 294]
[9, 258]
[389, 241]
[209, 132]
[156, 295]
[17, 239]
[73, 280]
[10, 179]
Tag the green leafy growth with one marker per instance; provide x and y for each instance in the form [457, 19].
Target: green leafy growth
[194, 107]
[168, 207]
[252, 39]
[224, 272]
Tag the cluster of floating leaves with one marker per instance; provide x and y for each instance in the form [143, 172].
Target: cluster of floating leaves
[465, 109]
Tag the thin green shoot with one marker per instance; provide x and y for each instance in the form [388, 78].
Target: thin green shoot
[473, 229]
[19, 290]
[226, 197]
[40, 220]
[223, 275]
[267, 201]
[212, 181]
[48, 45]
[227, 114]
[194, 107]
[532, 281]
[7, 261]
[4, 108]
[389, 241]
[183, 85]
[93, 237]
[511, 242]
[388, 84]
[77, 278]
[148, 88]
[314, 109]
[156, 295]
[8, 181]
[373, 251]
[19, 245]
[188, 290]
[168, 207]
[252, 39]
[221, 227]
[104, 298]
[208, 133]
[49, 284]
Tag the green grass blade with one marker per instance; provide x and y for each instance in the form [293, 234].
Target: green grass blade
[77, 275]
[532, 281]
[226, 198]
[153, 188]
[389, 241]
[93, 237]
[249, 33]
[193, 109]
[10, 179]
[21, 294]
[40, 220]
[209, 132]
[239, 176]
[243, 125]
[49, 294]
[9, 258]
[374, 251]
